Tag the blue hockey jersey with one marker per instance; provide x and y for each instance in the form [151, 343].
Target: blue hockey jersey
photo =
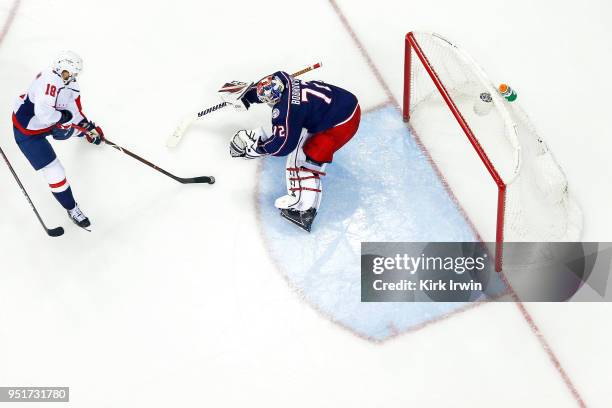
[314, 105]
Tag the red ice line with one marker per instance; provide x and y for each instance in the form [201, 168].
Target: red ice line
[9, 20]
[395, 103]
[528, 318]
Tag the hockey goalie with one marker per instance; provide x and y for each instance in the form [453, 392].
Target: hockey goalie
[310, 122]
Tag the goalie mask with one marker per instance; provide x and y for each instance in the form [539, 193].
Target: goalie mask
[270, 90]
[70, 62]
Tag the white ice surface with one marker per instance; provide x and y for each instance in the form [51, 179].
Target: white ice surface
[173, 300]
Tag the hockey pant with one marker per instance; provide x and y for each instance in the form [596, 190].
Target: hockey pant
[43, 159]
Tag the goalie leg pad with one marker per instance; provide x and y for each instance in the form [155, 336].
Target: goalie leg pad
[303, 178]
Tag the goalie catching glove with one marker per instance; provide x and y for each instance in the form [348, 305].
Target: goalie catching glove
[244, 143]
[233, 93]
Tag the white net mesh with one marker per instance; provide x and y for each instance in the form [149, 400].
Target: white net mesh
[538, 205]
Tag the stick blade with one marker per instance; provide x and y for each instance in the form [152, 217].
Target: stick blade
[175, 138]
[201, 179]
[55, 232]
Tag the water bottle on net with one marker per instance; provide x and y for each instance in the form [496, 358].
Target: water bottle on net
[507, 92]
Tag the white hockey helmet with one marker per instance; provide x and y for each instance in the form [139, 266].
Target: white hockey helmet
[68, 61]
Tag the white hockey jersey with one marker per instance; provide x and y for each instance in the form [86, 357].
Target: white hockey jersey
[37, 111]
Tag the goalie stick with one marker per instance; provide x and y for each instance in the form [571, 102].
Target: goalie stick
[52, 232]
[176, 137]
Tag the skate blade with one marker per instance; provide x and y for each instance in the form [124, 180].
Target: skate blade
[87, 228]
[304, 223]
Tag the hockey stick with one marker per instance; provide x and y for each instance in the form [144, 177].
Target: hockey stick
[175, 137]
[53, 232]
[182, 180]
[188, 180]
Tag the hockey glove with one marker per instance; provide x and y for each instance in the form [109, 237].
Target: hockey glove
[244, 144]
[237, 146]
[63, 132]
[92, 133]
[233, 94]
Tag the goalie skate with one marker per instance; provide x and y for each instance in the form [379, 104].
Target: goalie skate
[302, 219]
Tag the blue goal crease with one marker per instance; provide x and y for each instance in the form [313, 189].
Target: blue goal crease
[380, 187]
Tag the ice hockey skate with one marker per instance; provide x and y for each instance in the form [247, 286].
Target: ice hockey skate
[302, 219]
[77, 216]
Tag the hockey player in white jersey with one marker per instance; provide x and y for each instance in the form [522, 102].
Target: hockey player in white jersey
[52, 107]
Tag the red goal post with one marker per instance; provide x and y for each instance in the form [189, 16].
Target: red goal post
[439, 76]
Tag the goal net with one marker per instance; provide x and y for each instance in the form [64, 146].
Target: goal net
[497, 167]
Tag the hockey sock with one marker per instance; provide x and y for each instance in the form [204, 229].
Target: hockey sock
[56, 178]
[66, 199]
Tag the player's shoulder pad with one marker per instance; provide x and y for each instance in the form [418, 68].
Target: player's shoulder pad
[74, 85]
[49, 77]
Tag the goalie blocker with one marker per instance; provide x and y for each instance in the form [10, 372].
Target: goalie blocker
[310, 122]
